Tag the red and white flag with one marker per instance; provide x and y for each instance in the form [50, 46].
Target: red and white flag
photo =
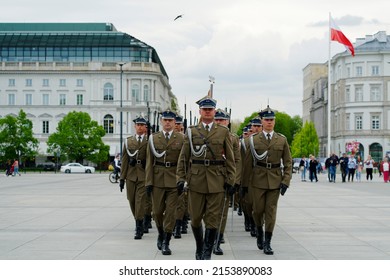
[337, 35]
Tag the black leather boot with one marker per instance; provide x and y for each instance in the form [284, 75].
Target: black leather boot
[160, 237]
[217, 248]
[184, 224]
[177, 232]
[246, 222]
[165, 245]
[253, 227]
[267, 243]
[198, 234]
[239, 211]
[138, 229]
[145, 222]
[260, 238]
[209, 239]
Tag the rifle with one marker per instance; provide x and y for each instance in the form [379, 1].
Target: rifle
[190, 117]
[148, 122]
[230, 120]
[185, 118]
[154, 121]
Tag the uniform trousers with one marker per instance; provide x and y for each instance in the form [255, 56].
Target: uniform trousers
[182, 206]
[206, 206]
[265, 204]
[136, 195]
[164, 202]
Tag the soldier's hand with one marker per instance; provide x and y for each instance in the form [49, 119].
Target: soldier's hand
[283, 188]
[229, 189]
[180, 187]
[121, 184]
[243, 191]
[149, 190]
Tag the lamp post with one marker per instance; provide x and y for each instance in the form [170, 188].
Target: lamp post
[121, 113]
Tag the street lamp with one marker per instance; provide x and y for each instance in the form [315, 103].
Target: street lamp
[121, 113]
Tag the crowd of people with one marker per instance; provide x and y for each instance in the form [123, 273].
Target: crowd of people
[194, 174]
[350, 168]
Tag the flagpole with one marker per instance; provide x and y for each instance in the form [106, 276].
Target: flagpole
[329, 94]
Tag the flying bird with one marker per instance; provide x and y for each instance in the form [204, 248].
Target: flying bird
[179, 16]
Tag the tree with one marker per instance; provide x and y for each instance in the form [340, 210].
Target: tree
[78, 138]
[16, 137]
[305, 141]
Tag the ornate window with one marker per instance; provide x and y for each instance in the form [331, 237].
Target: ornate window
[108, 91]
[108, 124]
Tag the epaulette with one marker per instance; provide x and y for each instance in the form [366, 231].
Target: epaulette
[281, 134]
[130, 137]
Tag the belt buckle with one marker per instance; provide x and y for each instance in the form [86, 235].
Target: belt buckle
[206, 162]
[167, 164]
[269, 165]
[138, 161]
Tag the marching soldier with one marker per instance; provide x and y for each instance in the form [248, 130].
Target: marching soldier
[133, 173]
[162, 155]
[182, 205]
[247, 200]
[222, 118]
[206, 163]
[268, 152]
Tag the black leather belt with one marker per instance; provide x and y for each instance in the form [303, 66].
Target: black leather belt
[268, 165]
[208, 162]
[166, 164]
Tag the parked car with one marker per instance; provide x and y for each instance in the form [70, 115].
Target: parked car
[296, 167]
[75, 167]
[47, 166]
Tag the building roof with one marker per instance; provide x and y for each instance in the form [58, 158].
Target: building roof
[72, 35]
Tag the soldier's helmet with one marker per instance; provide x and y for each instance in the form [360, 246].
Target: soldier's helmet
[267, 113]
[168, 114]
[207, 102]
[140, 120]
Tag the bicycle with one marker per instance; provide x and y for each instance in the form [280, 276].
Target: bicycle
[114, 177]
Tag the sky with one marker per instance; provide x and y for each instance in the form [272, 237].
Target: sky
[256, 50]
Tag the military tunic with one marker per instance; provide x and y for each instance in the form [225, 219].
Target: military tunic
[207, 172]
[264, 176]
[133, 171]
[161, 174]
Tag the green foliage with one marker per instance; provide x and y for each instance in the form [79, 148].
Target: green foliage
[305, 141]
[16, 135]
[78, 138]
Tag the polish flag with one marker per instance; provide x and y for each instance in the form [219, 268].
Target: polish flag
[337, 35]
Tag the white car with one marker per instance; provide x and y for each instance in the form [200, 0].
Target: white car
[75, 167]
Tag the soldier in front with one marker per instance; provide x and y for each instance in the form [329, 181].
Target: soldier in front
[267, 173]
[206, 163]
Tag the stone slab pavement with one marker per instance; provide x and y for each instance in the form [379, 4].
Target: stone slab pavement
[84, 217]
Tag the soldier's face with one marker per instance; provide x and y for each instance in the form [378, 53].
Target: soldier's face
[207, 114]
[168, 124]
[178, 127]
[268, 124]
[257, 128]
[140, 128]
[221, 122]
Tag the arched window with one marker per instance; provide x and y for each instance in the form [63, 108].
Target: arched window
[376, 152]
[146, 93]
[135, 93]
[108, 124]
[108, 91]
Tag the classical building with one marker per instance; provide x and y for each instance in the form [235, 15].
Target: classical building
[360, 87]
[50, 69]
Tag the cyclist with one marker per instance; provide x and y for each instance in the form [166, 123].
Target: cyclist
[117, 167]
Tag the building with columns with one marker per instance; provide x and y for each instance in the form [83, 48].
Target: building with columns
[360, 109]
[51, 69]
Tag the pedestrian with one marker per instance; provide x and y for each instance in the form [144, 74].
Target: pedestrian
[351, 167]
[161, 162]
[207, 164]
[133, 173]
[303, 164]
[359, 169]
[385, 169]
[15, 166]
[8, 166]
[369, 165]
[266, 178]
[313, 169]
[343, 167]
